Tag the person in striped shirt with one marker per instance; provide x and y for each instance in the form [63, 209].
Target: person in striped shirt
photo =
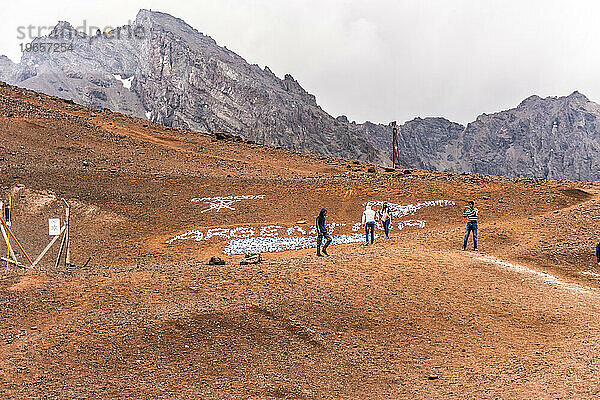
[470, 214]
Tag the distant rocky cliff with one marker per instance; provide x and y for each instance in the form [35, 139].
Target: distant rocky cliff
[550, 138]
[7, 68]
[162, 69]
[553, 138]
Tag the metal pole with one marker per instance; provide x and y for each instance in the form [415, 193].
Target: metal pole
[16, 241]
[11, 253]
[10, 250]
[395, 150]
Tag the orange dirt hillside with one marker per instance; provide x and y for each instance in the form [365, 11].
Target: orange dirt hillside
[409, 317]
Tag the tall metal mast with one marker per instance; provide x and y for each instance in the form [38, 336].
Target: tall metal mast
[395, 149]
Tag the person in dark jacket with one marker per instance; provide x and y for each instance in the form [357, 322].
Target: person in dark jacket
[598, 253]
[322, 233]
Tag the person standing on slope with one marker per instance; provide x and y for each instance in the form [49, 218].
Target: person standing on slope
[598, 253]
[386, 219]
[322, 233]
[368, 219]
[470, 213]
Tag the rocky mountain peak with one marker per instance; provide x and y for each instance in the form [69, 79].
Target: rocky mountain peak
[577, 99]
[533, 99]
[177, 76]
[7, 68]
[158, 16]
[151, 19]
[551, 138]
[577, 95]
[63, 28]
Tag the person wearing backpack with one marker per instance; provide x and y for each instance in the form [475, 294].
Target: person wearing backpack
[322, 233]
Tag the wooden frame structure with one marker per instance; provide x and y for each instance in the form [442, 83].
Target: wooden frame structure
[65, 247]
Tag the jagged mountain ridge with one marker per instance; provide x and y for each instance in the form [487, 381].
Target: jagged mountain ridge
[180, 77]
[6, 68]
[174, 75]
[552, 138]
[549, 138]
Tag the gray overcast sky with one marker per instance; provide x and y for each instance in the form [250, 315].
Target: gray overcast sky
[380, 60]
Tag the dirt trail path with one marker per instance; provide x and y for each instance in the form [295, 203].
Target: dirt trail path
[486, 328]
[394, 320]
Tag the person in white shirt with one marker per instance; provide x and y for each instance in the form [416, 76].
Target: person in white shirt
[368, 219]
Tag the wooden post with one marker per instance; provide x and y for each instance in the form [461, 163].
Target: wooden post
[43, 253]
[60, 251]
[68, 240]
[64, 243]
[18, 264]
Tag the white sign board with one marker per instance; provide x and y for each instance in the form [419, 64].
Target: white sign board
[54, 226]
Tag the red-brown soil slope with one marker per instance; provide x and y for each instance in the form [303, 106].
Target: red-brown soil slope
[409, 317]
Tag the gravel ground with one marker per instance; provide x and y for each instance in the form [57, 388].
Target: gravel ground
[409, 317]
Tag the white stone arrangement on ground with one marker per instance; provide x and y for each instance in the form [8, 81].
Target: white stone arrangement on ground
[275, 238]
